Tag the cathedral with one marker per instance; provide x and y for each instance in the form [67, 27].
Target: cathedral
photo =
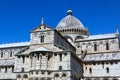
[67, 52]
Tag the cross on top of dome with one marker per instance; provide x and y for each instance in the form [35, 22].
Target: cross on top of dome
[69, 12]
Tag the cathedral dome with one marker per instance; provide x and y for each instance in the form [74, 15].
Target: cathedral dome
[70, 22]
[71, 28]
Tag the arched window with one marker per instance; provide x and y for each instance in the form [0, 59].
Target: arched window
[82, 52]
[37, 72]
[95, 47]
[107, 69]
[64, 75]
[25, 76]
[42, 38]
[90, 70]
[56, 75]
[19, 76]
[107, 46]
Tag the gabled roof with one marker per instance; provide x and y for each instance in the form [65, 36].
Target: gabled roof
[101, 36]
[102, 56]
[7, 63]
[41, 27]
[41, 48]
[24, 51]
[14, 44]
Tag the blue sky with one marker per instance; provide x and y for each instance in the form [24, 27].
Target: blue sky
[19, 17]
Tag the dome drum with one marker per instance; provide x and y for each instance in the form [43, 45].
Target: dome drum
[75, 31]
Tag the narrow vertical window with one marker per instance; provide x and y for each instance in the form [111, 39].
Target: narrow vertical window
[107, 46]
[60, 67]
[12, 68]
[90, 70]
[37, 57]
[42, 39]
[60, 57]
[95, 47]
[1, 54]
[10, 53]
[23, 59]
[48, 58]
[22, 69]
[107, 69]
[5, 69]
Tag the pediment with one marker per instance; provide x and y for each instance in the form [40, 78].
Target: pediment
[41, 48]
[42, 27]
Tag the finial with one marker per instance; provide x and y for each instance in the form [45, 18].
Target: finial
[117, 31]
[42, 22]
[69, 12]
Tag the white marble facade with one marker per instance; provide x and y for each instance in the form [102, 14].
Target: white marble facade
[67, 52]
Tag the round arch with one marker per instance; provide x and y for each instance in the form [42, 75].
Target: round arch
[18, 76]
[25, 76]
[78, 37]
[69, 38]
[64, 75]
[56, 75]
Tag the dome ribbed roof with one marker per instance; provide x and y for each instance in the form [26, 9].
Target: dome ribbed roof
[70, 22]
